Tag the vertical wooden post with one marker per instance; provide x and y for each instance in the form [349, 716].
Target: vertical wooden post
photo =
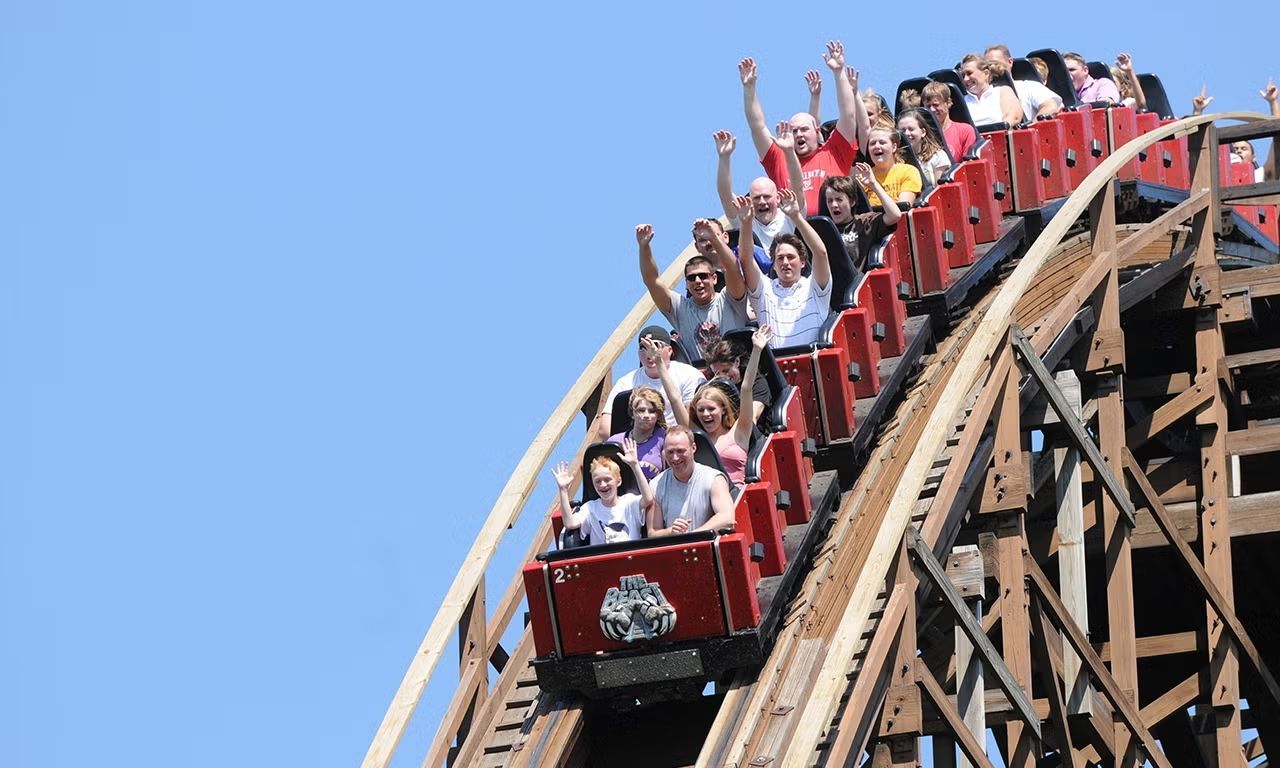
[472, 637]
[1106, 362]
[1010, 482]
[964, 567]
[901, 721]
[1223, 674]
[1071, 562]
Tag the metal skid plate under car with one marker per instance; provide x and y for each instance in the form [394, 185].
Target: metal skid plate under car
[651, 668]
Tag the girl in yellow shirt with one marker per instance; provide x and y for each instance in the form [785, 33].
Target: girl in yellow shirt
[900, 180]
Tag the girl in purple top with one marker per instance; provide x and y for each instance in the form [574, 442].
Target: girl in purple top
[647, 429]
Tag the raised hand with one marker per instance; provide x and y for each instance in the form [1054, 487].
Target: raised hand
[813, 79]
[703, 228]
[563, 475]
[834, 57]
[629, 455]
[782, 136]
[747, 71]
[862, 174]
[853, 77]
[1269, 92]
[644, 233]
[725, 143]
[1125, 62]
[1199, 103]
[789, 202]
[652, 350]
[744, 209]
[760, 339]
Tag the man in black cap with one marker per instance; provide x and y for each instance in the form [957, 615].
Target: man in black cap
[687, 379]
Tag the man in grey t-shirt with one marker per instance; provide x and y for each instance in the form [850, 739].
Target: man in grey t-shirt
[688, 496]
[706, 314]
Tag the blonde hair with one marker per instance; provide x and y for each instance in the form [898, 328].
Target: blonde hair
[1042, 68]
[909, 99]
[728, 414]
[894, 137]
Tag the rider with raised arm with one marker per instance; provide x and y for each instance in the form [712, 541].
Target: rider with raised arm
[768, 222]
[706, 314]
[817, 159]
[609, 518]
[796, 306]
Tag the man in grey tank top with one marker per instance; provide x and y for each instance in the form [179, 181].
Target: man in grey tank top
[688, 496]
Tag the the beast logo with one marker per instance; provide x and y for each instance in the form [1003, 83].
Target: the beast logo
[636, 610]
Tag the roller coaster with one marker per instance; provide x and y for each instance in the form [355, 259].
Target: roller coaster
[1021, 496]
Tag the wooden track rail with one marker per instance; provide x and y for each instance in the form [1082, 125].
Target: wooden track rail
[1044, 431]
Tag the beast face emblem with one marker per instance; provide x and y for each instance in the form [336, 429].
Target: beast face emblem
[636, 610]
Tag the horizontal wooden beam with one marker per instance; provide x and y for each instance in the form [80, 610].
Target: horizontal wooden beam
[1245, 359]
[1261, 281]
[1157, 645]
[1265, 189]
[1252, 130]
[1155, 278]
[1160, 226]
[1255, 440]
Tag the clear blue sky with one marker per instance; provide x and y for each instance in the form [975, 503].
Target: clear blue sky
[287, 287]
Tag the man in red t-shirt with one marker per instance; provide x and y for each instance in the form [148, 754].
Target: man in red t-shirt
[817, 160]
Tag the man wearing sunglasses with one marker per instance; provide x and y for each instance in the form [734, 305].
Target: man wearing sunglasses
[702, 317]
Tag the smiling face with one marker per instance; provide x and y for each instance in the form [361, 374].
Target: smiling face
[805, 131]
[909, 126]
[764, 199]
[839, 206]
[678, 452]
[701, 280]
[709, 415]
[605, 483]
[975, 78]
[880, 148]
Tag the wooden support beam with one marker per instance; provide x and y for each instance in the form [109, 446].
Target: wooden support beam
[1261, 281]
[965, 620]
[964, 568]
[1124, 708]
[1254, 440]
[1245, 359]
[1212, 594]
[1162, 225]
[968, 744]
[1176, 699]
[1254, 129]
[1247, 191]
[1051, 673]
[1073, 427]
[1200, 392]
[1069, 497]
[1154, 279]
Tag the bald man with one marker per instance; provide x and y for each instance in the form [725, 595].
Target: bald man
[818, 160]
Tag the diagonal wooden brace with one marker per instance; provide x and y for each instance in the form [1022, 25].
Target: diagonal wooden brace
[966, 620]
[1124, 707]
[1073, 426]
[1201, 576]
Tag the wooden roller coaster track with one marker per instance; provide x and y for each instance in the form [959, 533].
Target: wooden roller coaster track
[1061, 538]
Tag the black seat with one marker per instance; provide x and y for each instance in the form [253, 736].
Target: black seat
[916, 84]
[1098, 70]
[932, 122]
[1157, 99]
[1023, 69]
[768, 369]
[909, 157]
[842, 269]
[1059, 79]
[948, 76]
[620, 416]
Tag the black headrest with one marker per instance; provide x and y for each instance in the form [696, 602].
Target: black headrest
[613, 451]
[1059, 79]
[1157, 99]
[704, 451]
[959, 109]
[768, 363]
[842, 267]
[1023, 69]
[916, 84]
[1098, 70]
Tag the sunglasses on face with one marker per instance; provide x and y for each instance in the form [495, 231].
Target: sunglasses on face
[698, 276]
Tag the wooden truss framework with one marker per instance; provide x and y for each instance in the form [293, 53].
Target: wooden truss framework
[870, 684]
